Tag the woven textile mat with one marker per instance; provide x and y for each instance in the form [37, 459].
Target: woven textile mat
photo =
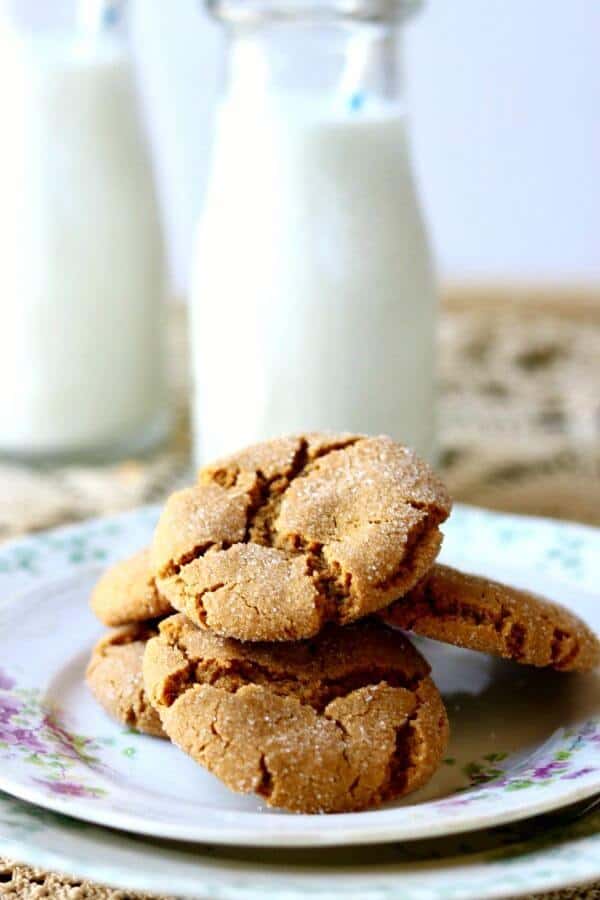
[520, 431]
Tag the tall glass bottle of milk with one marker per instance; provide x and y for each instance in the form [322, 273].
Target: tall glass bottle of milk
[313, 300]
[81, 251]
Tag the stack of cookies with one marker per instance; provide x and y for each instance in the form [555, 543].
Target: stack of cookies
[292, 566]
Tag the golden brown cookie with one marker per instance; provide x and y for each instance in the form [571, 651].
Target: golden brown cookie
[480, 614]
[114, 676]
[285, 536]
[345, 721]
[127, 593]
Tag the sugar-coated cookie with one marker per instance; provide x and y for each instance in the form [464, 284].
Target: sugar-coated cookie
[127, 593]
[114, 675]
[480, 614]
[345, 721]
[278, 540]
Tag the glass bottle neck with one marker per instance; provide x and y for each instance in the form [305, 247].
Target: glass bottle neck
[242, 12]
[347, 66]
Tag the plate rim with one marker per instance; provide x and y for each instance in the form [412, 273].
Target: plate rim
[219, 880]
[242, 835]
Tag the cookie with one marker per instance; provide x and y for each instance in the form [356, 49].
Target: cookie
[484, 615]
[345, 721]
[114, 676]
[127, 593]
[288, 535]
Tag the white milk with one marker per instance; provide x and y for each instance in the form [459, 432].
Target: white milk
[81, 260]
[313, 301]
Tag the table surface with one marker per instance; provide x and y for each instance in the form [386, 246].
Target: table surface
[519, 431]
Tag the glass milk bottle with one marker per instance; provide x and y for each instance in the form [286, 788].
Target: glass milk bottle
[313, 299]
[81, 252]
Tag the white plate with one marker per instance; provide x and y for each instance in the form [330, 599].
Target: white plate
[529, 857]
[523, 741]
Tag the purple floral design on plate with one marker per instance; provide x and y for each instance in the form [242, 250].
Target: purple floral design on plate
[8, 709]
[69, 788]
[561, 764]
[579, 773]
[24, 738]
[35, 734]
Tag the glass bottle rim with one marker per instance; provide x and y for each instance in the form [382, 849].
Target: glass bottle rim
[249, 12]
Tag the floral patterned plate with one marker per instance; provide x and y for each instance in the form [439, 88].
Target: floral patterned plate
[523, 741]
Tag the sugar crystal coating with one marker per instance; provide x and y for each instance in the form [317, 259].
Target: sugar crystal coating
[278, 540]
[114, 675]
[127, 593]
[345, 721]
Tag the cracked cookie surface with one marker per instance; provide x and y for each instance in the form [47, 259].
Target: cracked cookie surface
[114, 676]
[127, 593]
[345, 721]
[480, 614]
[278, 540]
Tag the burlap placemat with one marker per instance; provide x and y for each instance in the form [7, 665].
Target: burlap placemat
[520, 431]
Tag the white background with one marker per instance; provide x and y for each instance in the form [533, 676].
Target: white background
[505, 99]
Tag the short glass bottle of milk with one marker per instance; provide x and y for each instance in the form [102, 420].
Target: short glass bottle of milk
[81, 252]
[313, 299]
